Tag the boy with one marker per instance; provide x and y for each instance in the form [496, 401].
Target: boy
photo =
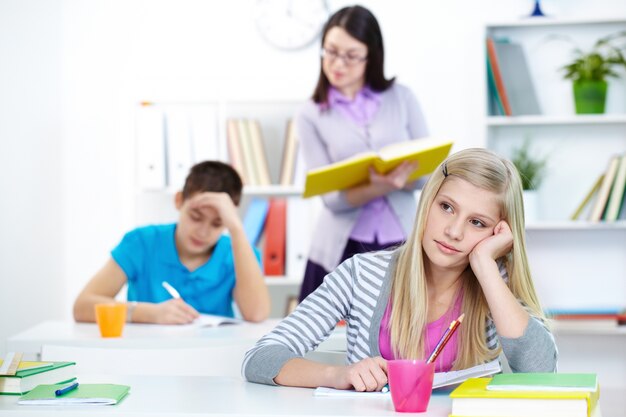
[207, 268]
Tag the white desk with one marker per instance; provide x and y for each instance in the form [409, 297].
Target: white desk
[219, 396]
[145, 336]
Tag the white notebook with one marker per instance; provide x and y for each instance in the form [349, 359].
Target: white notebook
[208, 320]
[442, 379]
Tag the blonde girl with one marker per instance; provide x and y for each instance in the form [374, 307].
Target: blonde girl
[465, 254]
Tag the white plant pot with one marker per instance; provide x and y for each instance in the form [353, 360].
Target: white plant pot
[531, 206]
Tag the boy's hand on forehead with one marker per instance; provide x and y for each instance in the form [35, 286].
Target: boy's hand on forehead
[221, 203]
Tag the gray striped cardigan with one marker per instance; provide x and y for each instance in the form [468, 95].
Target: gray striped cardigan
[358, 291]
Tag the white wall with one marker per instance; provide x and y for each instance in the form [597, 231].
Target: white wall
[78, 68]
[32, 225]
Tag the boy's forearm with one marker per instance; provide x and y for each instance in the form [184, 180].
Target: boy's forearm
[251, 292]
[84, 306]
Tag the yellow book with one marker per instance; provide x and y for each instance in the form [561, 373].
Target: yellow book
[428, 153]
[472, 399]
[588, 198]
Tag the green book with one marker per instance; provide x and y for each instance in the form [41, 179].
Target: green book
[28, 377]
[544, 382]
[84, 394]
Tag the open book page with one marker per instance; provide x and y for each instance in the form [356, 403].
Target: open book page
[442, 379]
[427, 152]
[209, 320]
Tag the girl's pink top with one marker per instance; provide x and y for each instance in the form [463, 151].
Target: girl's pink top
[434, 331]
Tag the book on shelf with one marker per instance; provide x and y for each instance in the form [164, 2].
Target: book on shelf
[245, 144]
[586, 203]
[151, 158]
[31, 374]
[254, 219]
[605, 190]
[516, 78]
[82, 395]
[258, 151]
[587, 317]
[616, 197]
[440, 380]
[493, 66]
[178, 147]
[235, 151]
[494, 101]
[473, 399]
[290, 153]
[427, 152]
[275, 238]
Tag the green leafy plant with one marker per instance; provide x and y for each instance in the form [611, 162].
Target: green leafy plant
[532, 170]
[597, 63]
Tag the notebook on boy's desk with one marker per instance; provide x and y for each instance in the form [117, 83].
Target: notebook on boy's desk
[208, 320]
[442, 379]
[427, 152]
[31, 374]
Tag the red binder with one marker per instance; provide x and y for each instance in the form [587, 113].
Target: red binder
[275, 229]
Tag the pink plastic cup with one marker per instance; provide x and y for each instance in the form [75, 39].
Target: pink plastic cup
[410, 383]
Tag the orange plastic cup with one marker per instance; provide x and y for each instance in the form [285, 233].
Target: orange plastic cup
[111, 318]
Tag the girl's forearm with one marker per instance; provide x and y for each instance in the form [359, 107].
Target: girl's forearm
[509, 316]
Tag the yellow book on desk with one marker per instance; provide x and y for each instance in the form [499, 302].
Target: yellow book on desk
[473, 399]
[428, 153]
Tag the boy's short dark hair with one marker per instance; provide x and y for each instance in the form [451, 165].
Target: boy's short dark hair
[213, 176]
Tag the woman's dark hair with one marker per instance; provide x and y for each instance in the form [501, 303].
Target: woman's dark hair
[213, 176]
[361, 24]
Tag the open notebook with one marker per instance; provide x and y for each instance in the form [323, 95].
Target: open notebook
[208, 320]
[442, 379]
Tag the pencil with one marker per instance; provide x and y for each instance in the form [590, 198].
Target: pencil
[444, 338]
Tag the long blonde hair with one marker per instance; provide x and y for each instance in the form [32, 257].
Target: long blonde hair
[409, 295]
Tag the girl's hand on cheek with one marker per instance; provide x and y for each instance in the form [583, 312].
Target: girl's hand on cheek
[492, 247]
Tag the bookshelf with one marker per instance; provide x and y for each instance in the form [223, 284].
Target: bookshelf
[154, 199]
[566, 256]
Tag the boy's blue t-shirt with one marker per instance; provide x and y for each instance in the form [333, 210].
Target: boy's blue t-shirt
[148, 256]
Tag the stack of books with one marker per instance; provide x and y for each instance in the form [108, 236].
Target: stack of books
[31, 374]
[606, 200]
[527, 394]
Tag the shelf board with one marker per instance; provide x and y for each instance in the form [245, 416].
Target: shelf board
[541, 120]
[564, 328]
[282, 280]
[549, 21]
[273, 190]
[576, 225]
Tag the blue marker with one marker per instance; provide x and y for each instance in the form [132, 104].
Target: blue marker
[385, 388]
[66, 389]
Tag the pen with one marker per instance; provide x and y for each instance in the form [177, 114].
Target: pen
[171, 290]
[66, 389]
[444, 338]
[385, 388]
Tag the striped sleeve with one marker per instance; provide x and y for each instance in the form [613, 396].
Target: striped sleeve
[534, 351]
[304, 329]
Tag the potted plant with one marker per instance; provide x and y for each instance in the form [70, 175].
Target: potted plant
[532, 171]
[589, 71]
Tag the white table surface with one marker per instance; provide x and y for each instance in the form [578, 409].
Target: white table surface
[218, 396]
[69, 333]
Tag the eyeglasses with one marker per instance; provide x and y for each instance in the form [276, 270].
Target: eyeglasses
[347, 59]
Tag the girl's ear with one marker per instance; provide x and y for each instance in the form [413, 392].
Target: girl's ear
[178, 200]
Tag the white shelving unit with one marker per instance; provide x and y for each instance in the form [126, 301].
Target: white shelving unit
[575, 264]
[155, 204]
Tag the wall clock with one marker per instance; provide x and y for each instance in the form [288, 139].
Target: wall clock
[290, 24]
